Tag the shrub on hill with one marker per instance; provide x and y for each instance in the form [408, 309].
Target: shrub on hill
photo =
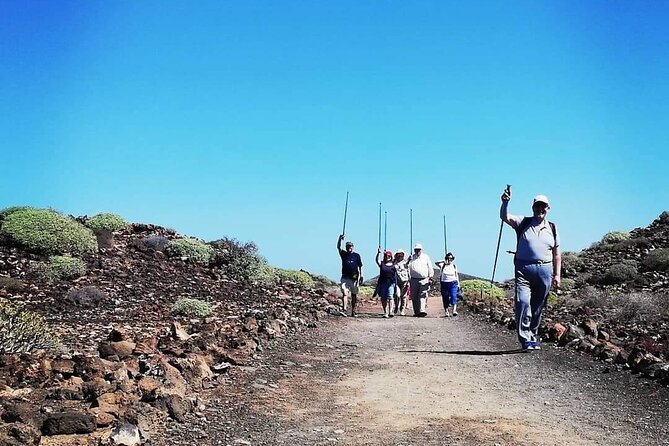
[23, 331]
[300, 278]
[11, 284]
[106, 222]
[476, 290]
[61, 268]
[195, 250]
[156, 242]
[241, 261]
[571, 263]
[623, 272]
[365, 291]
[191, 307]
[657, 260]
[615, 237]
[47, 232]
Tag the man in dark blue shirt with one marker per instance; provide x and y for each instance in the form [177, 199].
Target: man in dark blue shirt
[351, 274]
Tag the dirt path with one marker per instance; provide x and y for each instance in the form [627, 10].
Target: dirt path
[437, 381]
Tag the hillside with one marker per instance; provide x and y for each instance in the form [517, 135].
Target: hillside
[124, 353]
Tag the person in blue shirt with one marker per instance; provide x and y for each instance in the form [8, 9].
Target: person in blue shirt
[537, 265]
[351, 274]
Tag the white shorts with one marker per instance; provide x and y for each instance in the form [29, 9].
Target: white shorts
[348, 286]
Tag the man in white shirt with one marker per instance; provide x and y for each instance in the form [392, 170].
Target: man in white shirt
[537, 265]
[420, 273]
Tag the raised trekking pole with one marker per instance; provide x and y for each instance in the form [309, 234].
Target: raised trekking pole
[385, 231]
[499, 239]
[445, 244]
[379, 225]
[410, 229]
[343, 231]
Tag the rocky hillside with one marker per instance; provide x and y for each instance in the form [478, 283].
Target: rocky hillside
[614, 303]
[133, 335]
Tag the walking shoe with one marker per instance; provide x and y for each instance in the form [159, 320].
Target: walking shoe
[528, 345]
[402, 313]
[422, 314]
[455, 313]
[391, 315]
[385, 315]
[535, 345]
[447, 314]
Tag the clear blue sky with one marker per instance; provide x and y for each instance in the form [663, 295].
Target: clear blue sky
[252, 119]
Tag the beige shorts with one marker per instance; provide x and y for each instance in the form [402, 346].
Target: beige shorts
[348, 286]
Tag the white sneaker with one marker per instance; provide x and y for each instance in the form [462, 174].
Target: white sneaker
[402, 313]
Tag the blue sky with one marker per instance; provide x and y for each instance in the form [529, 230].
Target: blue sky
[252, 119]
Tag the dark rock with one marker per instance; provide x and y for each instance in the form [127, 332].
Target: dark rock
[68, 423]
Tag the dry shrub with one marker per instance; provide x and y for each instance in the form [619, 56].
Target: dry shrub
[639, 307]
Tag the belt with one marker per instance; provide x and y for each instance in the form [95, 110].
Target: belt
[533, 262]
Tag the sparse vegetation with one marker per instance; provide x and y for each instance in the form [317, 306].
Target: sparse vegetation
[11, 284]
[156, 242]
[106, 222]
[241, 261]
[480, 289]
[365, 291]
[61, 268]
[191, 307]
[639, 307]
[47, 232]
[194, 249]
[302, 279]
[567, 284]
[571, 263]
[615, 237]
[623, 272]
[23, 331]
[85, 296]
[657, 260]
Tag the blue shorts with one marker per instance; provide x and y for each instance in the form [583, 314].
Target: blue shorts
[386, 291]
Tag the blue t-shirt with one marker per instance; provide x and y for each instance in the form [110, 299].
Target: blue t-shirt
[350, 262]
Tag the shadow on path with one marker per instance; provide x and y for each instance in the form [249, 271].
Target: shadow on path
[471, 352]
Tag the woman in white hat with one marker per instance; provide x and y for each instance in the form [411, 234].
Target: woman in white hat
[402, 284]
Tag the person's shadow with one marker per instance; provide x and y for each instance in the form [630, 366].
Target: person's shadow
[471, 352]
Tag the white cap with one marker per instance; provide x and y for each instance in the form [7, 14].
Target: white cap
[399, 251]
[541, 199]
[418, 246]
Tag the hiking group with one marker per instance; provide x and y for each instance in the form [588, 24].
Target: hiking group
[537, 264]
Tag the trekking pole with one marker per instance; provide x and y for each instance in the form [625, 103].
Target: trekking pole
[445, 244]
[385, 232]
[343, 231]
[410, 229]
[499, 239]
[379, 225]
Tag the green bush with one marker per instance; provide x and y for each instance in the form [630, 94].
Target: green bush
[632, 243]
[366, 291]
[615, 237]
[657, 260]
[471, 290]
[241, 261]
[47, 232]
[619, 273]
[191, 307]
[195, 250]
[571, 263]
[23, 331]
[567, 284]
[106, 222]
[61, 268]
[302, 279]
[265, 274]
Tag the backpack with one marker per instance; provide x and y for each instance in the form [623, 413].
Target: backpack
[525, 223]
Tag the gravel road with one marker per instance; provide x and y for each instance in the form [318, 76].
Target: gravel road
[430, 381]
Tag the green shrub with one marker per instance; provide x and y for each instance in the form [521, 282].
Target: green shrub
[265, 274]
[23, 331]
[657, 260]
[567, 284]
[366, 291]
[302, 279]
[191, 307]
[632, 243]
[106, 222]
[10, 210]
[61, 268]
[619, 273]
[571, 263]
[471, 290]
[47, 232]
[615, 237]
[240, 261]
[195, 250]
